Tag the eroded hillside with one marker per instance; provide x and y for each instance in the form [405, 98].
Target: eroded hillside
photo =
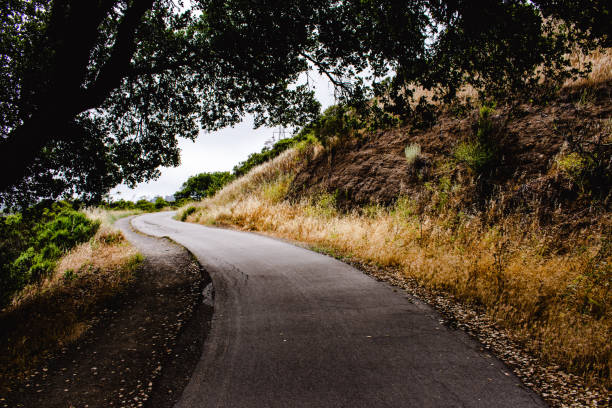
[532, 171]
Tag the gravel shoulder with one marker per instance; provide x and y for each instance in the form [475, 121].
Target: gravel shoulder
[142, 348]
[558, 388]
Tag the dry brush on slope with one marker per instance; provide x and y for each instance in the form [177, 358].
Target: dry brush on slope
[526, 241]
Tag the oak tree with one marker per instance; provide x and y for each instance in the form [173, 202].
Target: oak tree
[95, 93]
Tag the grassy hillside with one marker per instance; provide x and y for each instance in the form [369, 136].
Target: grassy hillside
[58, 307]
[504, 208]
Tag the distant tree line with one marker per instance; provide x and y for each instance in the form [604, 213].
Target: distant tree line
[143, 204]
[203, 185]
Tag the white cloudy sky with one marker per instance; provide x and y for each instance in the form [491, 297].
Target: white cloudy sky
[216, 151]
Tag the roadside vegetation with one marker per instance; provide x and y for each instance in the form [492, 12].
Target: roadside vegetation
[517, 227]
[142, 205]
[202, 185]
[60, 267]
[556, 303]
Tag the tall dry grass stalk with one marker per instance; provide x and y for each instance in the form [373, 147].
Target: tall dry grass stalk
[507, 270]
[601, 67]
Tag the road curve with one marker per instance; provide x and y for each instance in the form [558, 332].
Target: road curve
[293, 328]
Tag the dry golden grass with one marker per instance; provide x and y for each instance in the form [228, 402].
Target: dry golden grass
[58, 310]
[552, 303]
[601, 72]
[601, 69]
[266, 174]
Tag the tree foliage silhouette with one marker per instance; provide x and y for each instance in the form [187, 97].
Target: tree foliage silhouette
[93, 94]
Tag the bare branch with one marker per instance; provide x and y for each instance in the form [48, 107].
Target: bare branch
[335, 81]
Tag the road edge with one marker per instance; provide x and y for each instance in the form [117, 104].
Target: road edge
[169, 384]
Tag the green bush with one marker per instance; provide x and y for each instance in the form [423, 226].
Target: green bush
[475, 155]
[586, 162]
[145, 205]
[590, 171]
[338, 121]
[65, 230]
[203, 185]
[480, 152]
[121, 205]
[31, 242]
[160, 203]
[575, 166]
[188, 211]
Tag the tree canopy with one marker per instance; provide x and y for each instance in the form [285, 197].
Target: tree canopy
[94, 94]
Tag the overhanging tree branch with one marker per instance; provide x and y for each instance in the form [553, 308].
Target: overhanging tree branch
[117, 66]
[332, 78]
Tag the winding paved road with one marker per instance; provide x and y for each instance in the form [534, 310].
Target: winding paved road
[293, 328]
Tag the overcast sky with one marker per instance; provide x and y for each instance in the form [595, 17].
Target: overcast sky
[216, 151]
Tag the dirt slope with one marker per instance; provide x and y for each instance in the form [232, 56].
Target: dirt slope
[374, 169]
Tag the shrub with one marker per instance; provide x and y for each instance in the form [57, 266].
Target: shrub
[203, 185]
[475, 155]
[587, 162]
[145, 205]
[480, 152]
[412, 152]
[160, 203]
[65, 230]
[575, 167]
[340, 122]
[121, 205]
[31, 242]
[188, 211]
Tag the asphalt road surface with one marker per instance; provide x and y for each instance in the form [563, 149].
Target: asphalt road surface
[293, 328]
